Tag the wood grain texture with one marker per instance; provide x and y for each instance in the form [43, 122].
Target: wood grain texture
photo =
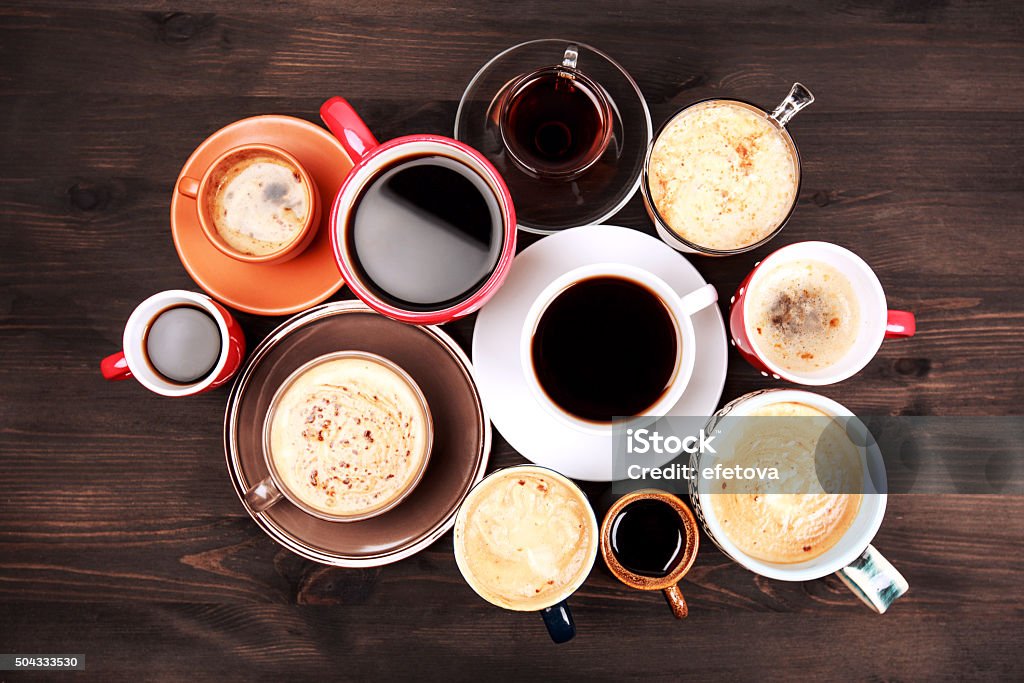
[120, 535]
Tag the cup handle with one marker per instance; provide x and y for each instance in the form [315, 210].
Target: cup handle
[699, 299]
[676, 601]
[262, 495]
[346, 125]
[571, 56]
[900, 324]
[558, 619]
[115, 367]
[798, 98]
[189, 187]
[874, 580]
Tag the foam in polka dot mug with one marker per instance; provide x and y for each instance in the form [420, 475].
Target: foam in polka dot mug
[813, 313]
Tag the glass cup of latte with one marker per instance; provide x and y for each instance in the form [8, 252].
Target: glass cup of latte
[722, 176]
[819, 515]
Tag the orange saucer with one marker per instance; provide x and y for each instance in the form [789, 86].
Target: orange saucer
[265, 289]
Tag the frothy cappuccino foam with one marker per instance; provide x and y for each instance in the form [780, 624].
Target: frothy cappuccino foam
[805, 315]
[524, 539]
[259, 204]
[723, 175]
[787, 528]
[348, 436]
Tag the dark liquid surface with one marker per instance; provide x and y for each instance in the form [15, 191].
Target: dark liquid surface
[605, 347]
[648, 538]
[183, 344]
[555, 124]
[426, 233]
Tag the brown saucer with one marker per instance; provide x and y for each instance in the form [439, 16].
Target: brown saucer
[462, 433]
[264, 288]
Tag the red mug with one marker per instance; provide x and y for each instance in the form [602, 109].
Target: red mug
[371, 159]
[875, 322]
[133, 360]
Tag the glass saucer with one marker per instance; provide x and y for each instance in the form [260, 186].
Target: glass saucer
[548, 206]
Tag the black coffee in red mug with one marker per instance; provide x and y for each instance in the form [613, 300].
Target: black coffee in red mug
[423, 227]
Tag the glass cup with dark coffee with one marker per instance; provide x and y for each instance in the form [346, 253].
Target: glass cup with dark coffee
[423, 227]
[649, 541]
[610, 340]
[178, 343]
[555, 122]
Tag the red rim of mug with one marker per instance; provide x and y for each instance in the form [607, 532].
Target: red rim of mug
[477, 298]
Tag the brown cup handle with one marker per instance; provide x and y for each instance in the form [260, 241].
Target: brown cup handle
[189, 187]
[674, 598]
[263, 495]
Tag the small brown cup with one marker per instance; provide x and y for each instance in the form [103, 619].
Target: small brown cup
[202, 188]
[667, 584]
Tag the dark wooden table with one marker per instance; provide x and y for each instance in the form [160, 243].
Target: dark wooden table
[120, 535]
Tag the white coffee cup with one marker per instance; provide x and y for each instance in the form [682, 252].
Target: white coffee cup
[864, 570]
[877, 321]
[680, 308]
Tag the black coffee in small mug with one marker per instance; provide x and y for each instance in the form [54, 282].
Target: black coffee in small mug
[555, 122]
[648, 537]
[425, 233]
[605, 346]
[183, 344]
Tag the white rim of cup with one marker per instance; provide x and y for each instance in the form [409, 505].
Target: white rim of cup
[870, 299]
[133, 341]
[850, 546]
[685, 338]
[459, 535]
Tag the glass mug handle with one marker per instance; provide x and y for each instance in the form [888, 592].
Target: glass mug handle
[798, 98]
[558, 619]
[262, 495]
[874, 580]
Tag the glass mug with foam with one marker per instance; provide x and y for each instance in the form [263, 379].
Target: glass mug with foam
[525, 539]
[813, 313]
[178, 343]
[610, 340]
[722, 176]
[820, 516]
[347, 437]
[423, 227]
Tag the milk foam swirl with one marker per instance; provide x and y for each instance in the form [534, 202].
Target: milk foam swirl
[525, 539]
[348, 436]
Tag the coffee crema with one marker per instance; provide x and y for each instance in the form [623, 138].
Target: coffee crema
[259, 203]
[807, 446]
[723, 175]
[805, 315]
[525, 539]
[348, 436]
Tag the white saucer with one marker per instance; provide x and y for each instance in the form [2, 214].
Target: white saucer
[529, 428]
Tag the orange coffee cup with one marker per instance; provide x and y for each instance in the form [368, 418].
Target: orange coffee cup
[204, 190]
[679, 559]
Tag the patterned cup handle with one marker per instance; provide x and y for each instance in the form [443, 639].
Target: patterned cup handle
[874, 580]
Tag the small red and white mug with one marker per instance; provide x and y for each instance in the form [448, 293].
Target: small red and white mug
[370, 159]
[877, 321]
[132, 360]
